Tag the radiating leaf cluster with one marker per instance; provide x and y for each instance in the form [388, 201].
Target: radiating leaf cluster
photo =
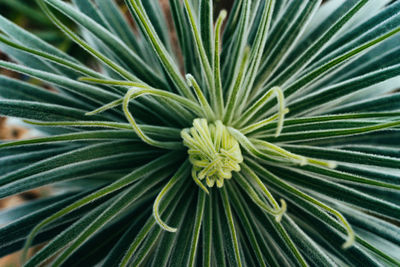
[307, 89]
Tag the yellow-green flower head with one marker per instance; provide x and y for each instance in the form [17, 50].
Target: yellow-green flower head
[213, 152]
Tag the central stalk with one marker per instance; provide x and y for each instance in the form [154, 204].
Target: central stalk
[213, 152]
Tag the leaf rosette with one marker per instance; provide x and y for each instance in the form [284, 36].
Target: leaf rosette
[176, 154]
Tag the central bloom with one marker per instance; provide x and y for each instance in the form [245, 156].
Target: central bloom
[213, 152]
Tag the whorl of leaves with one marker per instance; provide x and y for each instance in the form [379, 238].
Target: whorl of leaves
[290, 107]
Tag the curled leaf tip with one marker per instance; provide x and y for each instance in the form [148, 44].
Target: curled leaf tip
[332, 164]
[282, 211]
[198, 182]
[223, 14]
[350, 233]
[349, 242]
[189, 80]
[156, 214]
[303, 161]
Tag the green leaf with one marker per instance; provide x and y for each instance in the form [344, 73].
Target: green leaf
[158, 20]
[245, 219]
[284, 35]
[167, 242]
[9, 215]
[41, 111]
[336, 191]
[233, 239]
[170, 68]
[71, 171]
[143, 70]
[388, 102]
[184, 36]
[312, 75]
[88, 153]
[346, 156]
[18, 90]
[122, 202]
[231, 68]
[327, 15]
[116, 253]
[23, 58]
[173, 198]
[304, 58]
[197, 226]
[80, 136]
[282, 245]
[384, 21]
[25, 37]
[218, 240]
[381, 56]
[18, 229]
[138, 173]
[52, 248]
[13, 162]
[372, 224]
[65, 64]
[313, 135]
[200, 49]
[315, 121]
[86, 91]
[378, 150]
[352, 256]
[257, 50]
[206, 27]
[86, 254]
[310, 249]
[91, 10]
[112, 14]
[207, 232]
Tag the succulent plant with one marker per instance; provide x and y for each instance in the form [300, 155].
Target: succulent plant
[267, 138]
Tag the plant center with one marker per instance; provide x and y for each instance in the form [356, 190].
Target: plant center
[213, 152]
